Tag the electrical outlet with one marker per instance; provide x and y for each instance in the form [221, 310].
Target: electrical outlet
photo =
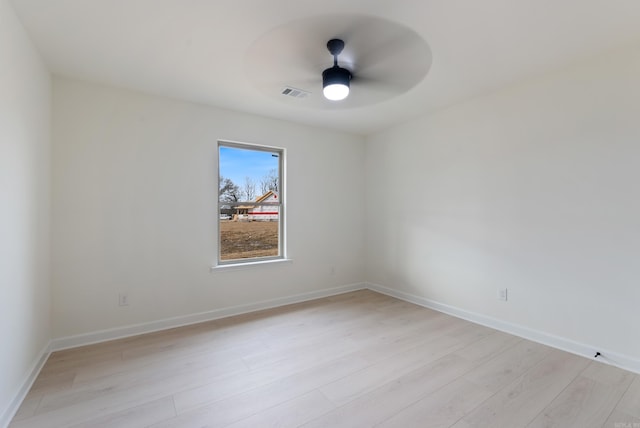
[123, 299]
[502, 294]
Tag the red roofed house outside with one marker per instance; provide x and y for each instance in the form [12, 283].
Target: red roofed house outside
[260, 212]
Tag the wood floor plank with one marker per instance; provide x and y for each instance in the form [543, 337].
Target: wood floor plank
[389, 341]
[331, 344]
[77, 413]
[159, 378]
[630, 401]
[468, 332]
[130, 366]
[461, 424]
[487, 348]
[501, 370]
[57, 382]
[175, 348]
[73, 361]
[378, 405]
[376, 375]
[292, 413]
[621, 420]
[608, 375]
[260, 397]
[29, 405]
[517, 404]
[397, 389]
[80, 406]
[585, 403]
[139, 416]
[589, 400]
[442, 408]
[355, 359]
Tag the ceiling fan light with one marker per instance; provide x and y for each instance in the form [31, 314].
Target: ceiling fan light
[335, 83]
[336, 92]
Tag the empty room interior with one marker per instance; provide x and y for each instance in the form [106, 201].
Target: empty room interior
[427, 213]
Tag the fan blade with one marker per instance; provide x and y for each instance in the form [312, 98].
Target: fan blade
[395, 62]
[376, 84]
[385, 58]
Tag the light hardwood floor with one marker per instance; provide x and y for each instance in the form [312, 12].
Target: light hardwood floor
[355, 360]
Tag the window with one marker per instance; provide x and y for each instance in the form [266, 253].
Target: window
[250, 203]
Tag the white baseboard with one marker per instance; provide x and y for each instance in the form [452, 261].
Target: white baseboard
[136, 329]
[588, 351]
[585, 350]
[32, 374]
[133, 330]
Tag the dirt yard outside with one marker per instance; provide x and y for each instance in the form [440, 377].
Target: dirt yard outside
[248, 239]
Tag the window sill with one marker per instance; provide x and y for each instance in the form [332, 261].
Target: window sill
[247, 265]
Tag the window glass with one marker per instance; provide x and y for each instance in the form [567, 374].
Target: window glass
[250, 203]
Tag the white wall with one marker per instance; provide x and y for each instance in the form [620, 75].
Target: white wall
[24, 208]
[135, 208]
[535, 189]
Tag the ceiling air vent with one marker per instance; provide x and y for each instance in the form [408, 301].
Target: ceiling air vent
[295, 93]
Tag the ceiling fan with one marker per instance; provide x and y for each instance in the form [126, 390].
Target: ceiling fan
[374, 60]
[336, 80]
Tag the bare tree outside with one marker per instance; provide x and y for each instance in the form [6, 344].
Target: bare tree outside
[269, 181]
[249, 189]
[228, 191]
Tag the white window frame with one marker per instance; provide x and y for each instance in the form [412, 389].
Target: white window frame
[281, 206]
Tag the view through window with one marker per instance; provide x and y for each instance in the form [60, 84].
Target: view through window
[250, 202]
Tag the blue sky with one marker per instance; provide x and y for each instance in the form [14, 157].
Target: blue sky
[237, 164]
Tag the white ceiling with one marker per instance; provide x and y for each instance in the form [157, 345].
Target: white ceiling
[197, 49]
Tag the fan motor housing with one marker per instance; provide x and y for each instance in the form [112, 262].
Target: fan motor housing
[336, 75]
[335, 46]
